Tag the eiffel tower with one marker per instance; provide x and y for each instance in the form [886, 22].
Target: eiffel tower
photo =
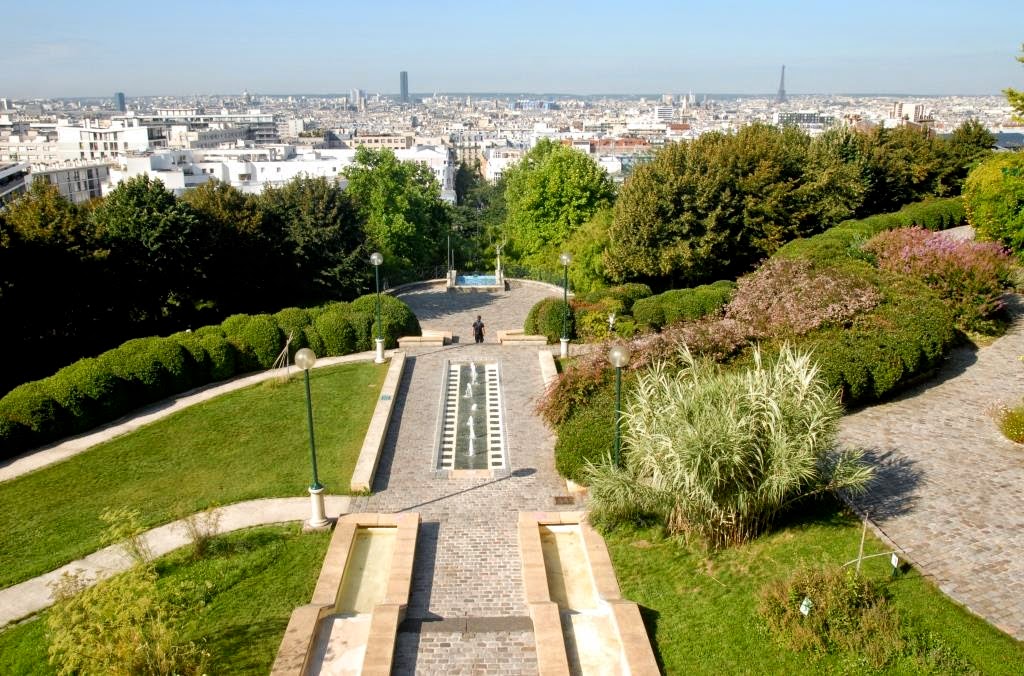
[781, 96]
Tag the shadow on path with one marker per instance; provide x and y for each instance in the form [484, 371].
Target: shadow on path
[893, 490]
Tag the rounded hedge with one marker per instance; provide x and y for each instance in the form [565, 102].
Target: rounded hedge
[683, 304]
[336, 332]
[545, 319]
[627, 294]
[587, 435]
[292, 321]
[397, 318]
[223, 357]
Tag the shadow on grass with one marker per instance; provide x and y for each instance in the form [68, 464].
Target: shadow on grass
[650, 617]
[238, 647]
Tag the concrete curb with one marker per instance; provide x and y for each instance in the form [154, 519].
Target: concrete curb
[31, 596]
[373, 442]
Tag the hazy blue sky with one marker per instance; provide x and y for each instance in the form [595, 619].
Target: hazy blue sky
[54, 48]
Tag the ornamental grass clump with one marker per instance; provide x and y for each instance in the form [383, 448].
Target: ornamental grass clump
[720, 454]
[969, 276]
[786, 297]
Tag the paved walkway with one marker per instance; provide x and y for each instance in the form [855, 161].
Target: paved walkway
[950, 489]
[31, 596]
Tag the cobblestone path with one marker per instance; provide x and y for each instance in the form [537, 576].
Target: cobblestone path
[950, 489]
[467, 612]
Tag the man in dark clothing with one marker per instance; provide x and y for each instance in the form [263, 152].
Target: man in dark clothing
[478, 330]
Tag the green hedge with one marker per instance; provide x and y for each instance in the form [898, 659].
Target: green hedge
[588, 434]
[545, 319]
[679, 304]
[842, 240]
[94, 391]
[627, 294]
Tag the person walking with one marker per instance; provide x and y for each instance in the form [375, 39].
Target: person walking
[478, 330]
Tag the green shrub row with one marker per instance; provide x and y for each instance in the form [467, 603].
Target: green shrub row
[588, 434]
[838, 242]
[94, 391]
[626, 294]
[545, 319]
[679, 304]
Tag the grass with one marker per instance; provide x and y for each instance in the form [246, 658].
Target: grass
[248, 444]
[701, 609]
[252, 580]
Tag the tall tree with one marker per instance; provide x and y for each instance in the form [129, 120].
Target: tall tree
[323, 236]
[966, 146]
[550, 193]
[402, 207]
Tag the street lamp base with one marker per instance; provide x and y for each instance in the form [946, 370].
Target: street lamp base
[379, 359]
[317, 515]
[563, 351]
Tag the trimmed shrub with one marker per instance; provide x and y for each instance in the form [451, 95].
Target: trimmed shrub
[627, 294]
[223, 357]
[200, 358]
[15, 436]
[313, 339]
[293, 321]
[363, 322]
[153, 367]
[545, 319]
[588, 435]
[257, 339]
[396, 316]
[90, 392]
[336, 332]
[33, 407]
[682, 304]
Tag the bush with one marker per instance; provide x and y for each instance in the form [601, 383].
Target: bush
[545, 319]
[849, 614]
[785, 298]
[33, 407]
[720, 454]
[970, 277]
[905, 336]
[1011, 423]
[627, 294]
[588, 435]
[257, 339]
[153, 367]
[396, 316]
[223, 357]
[293, 322]
[336, 331]
[682, 304]
[90, 392]
[994, 196]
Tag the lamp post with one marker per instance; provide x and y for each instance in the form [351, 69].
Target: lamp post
[304, 359]
[565, 259]
[618, 357]
[377, 259]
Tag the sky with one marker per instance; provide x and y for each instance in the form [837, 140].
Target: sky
[60, 48]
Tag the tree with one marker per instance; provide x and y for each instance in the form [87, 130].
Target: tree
[1015, 97]
[587, 246]
[158, 250]
[969, 143]
[401, 205]
[550, 193]
[994, 197]
[711, 208]
[322, 238]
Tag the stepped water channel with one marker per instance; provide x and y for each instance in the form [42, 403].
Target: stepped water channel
[472, 428]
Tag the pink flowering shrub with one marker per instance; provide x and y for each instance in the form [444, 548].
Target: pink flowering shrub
[969, 276]
[787, 297]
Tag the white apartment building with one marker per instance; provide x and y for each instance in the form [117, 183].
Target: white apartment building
[78, 182]
[94, 140]
[252, 169]
[12, 180]
[496, 161]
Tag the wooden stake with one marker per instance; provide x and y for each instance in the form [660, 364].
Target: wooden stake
[863, 534]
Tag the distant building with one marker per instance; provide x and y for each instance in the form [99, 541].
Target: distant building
[496, 161]
[780, 96]
[12, 181]
[809, 120]
[119, 102]
[92, 140]
[663, 113]
[78, 183]
[377, 141]
[5, 104]
[404, 86]
[912, 112]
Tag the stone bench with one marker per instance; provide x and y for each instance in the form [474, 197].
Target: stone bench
[518, 337]
[421, 341]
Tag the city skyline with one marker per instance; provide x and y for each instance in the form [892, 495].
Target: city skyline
[937, 48]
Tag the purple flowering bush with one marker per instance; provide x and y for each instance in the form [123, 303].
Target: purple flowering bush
[789, 297]
[969, 276]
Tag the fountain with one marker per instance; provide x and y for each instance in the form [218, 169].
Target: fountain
[472, 391]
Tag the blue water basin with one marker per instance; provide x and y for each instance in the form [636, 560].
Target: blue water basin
[476, 280]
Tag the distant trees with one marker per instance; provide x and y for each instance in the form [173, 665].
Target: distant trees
[549, 194]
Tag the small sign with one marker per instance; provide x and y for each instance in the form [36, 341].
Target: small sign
[895, 561]
[385, 397]
[805, 607]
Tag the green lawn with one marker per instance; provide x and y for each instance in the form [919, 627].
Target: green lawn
[248, 444]
[253, 579]
[701, 609]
